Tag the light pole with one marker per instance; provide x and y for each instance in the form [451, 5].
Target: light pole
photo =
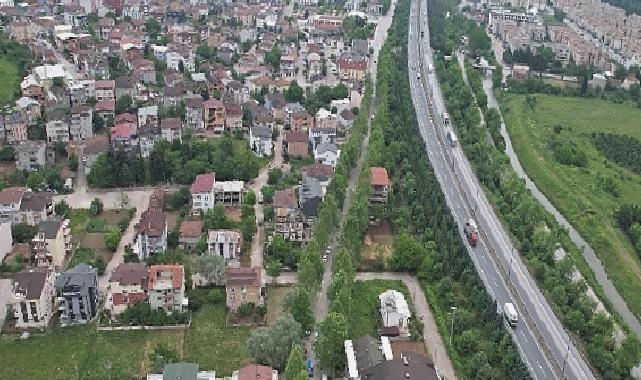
[454, 308]
[509, 271]
[565, 359]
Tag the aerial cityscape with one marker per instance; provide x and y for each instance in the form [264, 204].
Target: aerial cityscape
[320, 189]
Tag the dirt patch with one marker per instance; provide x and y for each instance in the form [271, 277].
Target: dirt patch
[112, 217]
[275, 297]
[381, 233]
[95, 240]
[172, 220]
[399, 346]
[233, 213]
[7, 168]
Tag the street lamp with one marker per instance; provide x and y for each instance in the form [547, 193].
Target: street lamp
[567, 352]
[509, 272]
[453, 308]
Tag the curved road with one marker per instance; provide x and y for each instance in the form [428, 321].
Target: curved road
[544, 345]
[618, 303]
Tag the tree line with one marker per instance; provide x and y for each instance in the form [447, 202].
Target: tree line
[537, 235]
[177, 162]
[624, 150]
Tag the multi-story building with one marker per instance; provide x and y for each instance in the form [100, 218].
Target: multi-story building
[32, 298]
[194, 113]
[226, 243]
[152, 233]
[81, 126]
[352, 66]
[31, 155]
[171, 129]
[228, 193]
[244, 285]
[202, 193]
[214, 115]
[260, 141]
[105, 90]
[57, 127]
[77, 294]
[127, 286]
[288, 220]
[15, 128]
[189, 235]
[166, 288]
[10, 202]
[35, 207]
[52, 243]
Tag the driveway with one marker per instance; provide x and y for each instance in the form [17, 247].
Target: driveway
[5, 297]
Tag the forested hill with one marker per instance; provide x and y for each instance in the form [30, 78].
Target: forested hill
[630, 6]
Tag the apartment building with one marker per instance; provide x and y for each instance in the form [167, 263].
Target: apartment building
[52, 243]
[32, 298]
[166, 288]
[77, 294]
[151, 234]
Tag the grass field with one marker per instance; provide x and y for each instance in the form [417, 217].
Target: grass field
[275, 298]
[83, 353]
[580, 193]
[9, 75]
[365, 318]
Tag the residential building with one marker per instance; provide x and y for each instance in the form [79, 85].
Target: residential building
[105, 90]
[352, 66]
[410, 365]
[228, 193]
[202, 193]
[297, 144]
[225, 243]
[214, 115]
[190, 233]
[35, 207]
[194, 113]
[395, 312]
[255, 372]
[10, 201]
[244, 285]
[6, 240]
[260, 141]
[182, 371]
[148, 136]
[302, 122]
[171, 129]
[288, 220]
[31, 155]
[15, 128]
[379, 184]
[52, 243]
[151, 234]
[80, 125]
[147, 116]
[32, 298]
[127, 287]
[77, 291]
[57, 128]
[166, 288]
[327, 153]
[93, 148]
[365, 352]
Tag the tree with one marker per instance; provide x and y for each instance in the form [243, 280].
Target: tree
[211, 267]
[332, 333]
[96, 207]
[73, 163]
[61, 208]
[181, 66]
[271, 345]
[273, 56]
[250, 198]
[295, 362]
[408, 253]
[273, 269]
[23, 233]
[7, 154]
[299, 304]
[123, 104]
[112, 238]
[97, 124]
[294, 93]
[247, 222]
[162, 355]
[35, 181]
[274, 176]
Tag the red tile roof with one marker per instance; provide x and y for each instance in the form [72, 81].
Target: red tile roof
[152, 222]
[12, 195]
[204, 183]
[212, 103]
[285, 198]
[130, 274]
[105, 106]
[379, 177]
[255, 372]
[105, 84]
[244, 276]
[296, 137]
[176, 278]
[319, 171]
[125, 118]
[127, 299]
[122, 131]
[171, 123]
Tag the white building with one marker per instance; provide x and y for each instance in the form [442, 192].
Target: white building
[226, 243]
[260, 141]
[202, 193]
[32, 298]
[395, 311]
[166, 288]
[6, 241]
[152, 233]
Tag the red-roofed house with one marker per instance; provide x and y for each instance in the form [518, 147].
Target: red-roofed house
[127, 286]
[255, 372]
[105, 109]
[379, 183]
[297, 144]
[214, 115]
[202, 193]
[352, 66]
[245, 285]
[121, 136]
[166, 288]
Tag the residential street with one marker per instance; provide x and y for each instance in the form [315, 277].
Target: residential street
[258, 242]
[5, 297]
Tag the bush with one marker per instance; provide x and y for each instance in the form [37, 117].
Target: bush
[217, 295]
[96, 207]
[247, 309]
[123, 224]
[112, 238]
[96, 225]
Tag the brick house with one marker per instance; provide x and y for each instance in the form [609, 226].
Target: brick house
[244, 285]
[297, 144]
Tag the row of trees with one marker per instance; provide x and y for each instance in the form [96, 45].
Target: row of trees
[629, 218]
[428, 242]
[624, 150]
[537, 235]
[175, 162]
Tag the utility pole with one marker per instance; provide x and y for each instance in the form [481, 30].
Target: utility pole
[454, 308]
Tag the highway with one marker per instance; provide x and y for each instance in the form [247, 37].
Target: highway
[544, 345]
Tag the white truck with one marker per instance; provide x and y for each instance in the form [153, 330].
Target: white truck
[451, 138]
[510, 314]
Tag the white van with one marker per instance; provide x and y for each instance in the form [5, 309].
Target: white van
[510, 314]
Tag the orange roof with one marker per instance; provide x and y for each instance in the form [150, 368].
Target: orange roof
[379, 177]
[176, 278]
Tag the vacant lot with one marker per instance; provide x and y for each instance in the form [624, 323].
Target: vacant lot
[275, 297]
[82, 352]
[583, 194]
[9, 75]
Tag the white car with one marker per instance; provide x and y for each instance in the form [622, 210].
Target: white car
[324, 258]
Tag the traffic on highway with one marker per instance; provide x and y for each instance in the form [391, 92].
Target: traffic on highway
[544, 345]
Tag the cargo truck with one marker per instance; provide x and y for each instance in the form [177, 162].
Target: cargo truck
[451, 138]
[471, 232]
[511, 316]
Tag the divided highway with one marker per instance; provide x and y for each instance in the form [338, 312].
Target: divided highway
[544, 344]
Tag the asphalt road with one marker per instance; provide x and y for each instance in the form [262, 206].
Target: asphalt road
[544, 345]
